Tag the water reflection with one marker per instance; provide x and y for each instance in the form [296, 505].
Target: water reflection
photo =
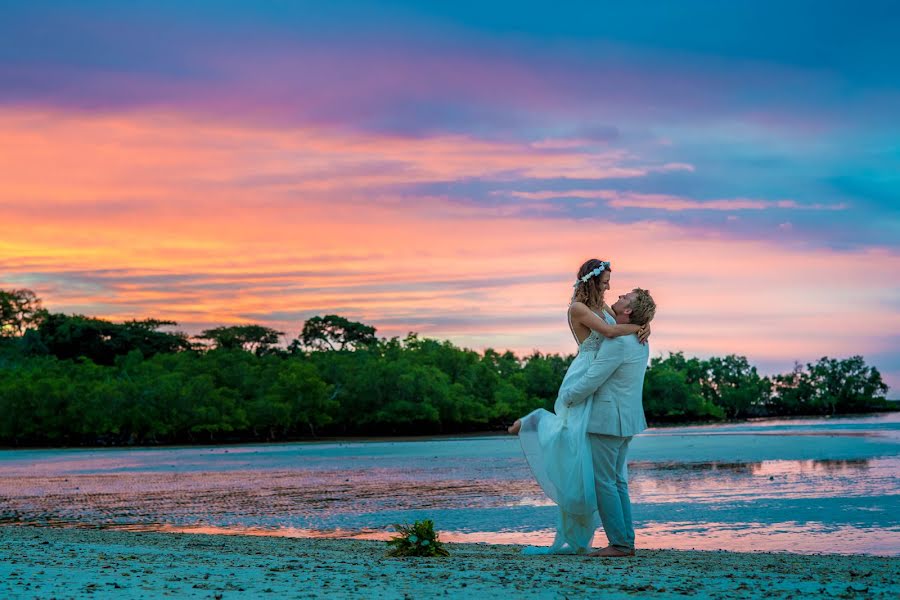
[714, 482]
[756, 468]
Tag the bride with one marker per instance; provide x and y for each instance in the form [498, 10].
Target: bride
[555, 444]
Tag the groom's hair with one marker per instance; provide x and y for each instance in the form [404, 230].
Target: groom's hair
[643, 308]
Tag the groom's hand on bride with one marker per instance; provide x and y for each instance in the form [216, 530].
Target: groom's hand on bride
[644, 333]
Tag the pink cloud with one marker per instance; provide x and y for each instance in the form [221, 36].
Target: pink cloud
[144, 157]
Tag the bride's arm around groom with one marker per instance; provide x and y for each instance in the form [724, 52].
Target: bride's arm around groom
[609, 357]
[635, 307]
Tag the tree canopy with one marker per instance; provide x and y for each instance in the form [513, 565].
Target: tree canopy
[72, 379]
[332, 332]
[252, 338]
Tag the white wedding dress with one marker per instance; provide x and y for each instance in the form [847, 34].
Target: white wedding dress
[557, 450]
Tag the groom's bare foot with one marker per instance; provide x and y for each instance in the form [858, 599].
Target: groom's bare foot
[611, 552]
[515, 427]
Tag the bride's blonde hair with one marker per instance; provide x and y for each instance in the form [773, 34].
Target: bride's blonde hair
[590, 291]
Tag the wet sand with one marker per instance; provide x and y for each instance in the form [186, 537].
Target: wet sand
[92, 563]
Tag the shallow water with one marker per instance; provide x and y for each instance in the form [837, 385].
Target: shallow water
[812, 485]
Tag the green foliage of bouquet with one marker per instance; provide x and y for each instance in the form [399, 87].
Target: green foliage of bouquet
[418, 539]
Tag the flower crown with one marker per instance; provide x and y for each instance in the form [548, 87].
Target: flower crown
[604, 265]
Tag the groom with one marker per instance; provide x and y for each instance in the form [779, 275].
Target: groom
[616, 377]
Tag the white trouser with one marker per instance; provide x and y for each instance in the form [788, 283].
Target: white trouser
[609, 454]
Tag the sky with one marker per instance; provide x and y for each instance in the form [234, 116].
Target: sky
[445, 168]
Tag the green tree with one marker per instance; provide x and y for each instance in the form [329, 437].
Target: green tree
[414, 395]
[101, 341]
[670, 395]
[541, 377]
[732, 384]
[74, 336]
[793, 393]
[332, 332]
[830, 386]
[359, 384]
[504, 365]
[145, 336]
[847, 385]
[307, 398]
[79, 380]
[256, 339]
[509, 403]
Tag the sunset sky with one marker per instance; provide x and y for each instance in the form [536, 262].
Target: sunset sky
[445, 167]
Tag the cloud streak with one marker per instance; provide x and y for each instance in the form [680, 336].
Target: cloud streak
[617, 199]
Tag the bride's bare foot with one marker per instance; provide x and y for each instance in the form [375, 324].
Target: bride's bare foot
[515, 427]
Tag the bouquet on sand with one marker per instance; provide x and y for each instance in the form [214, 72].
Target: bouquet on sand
[418, 539]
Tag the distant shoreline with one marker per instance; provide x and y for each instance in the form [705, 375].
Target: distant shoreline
[79, 563]
[427, 437]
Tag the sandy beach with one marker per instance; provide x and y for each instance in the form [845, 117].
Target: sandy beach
[92, 563]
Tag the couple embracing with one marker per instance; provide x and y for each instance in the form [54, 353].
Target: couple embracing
[578, 452]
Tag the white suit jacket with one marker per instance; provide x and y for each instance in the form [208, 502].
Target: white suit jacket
[616, 379]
